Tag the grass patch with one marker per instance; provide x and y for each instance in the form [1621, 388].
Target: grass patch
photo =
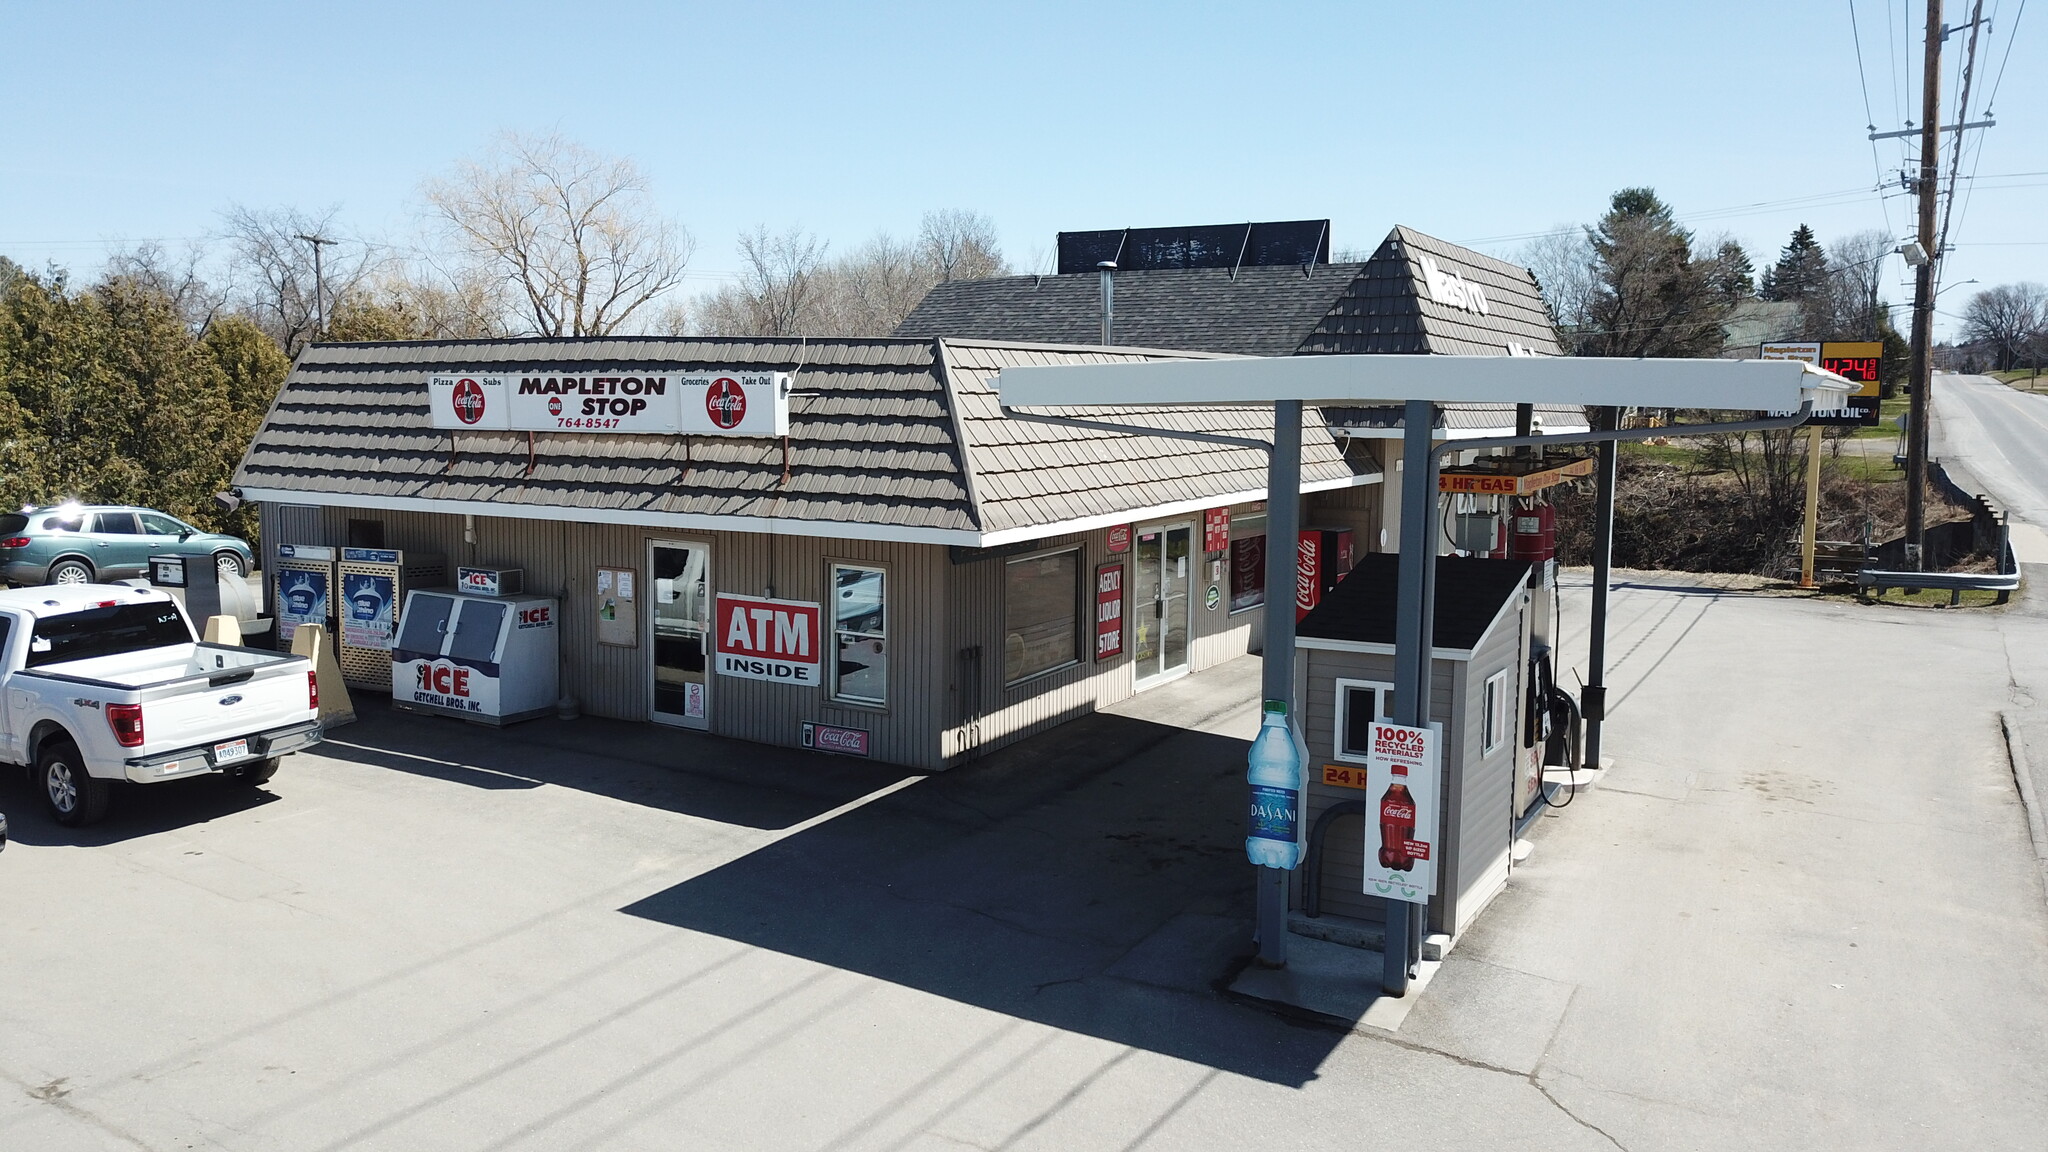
[1673, 454]
[2024, 379]
[1935, 598]
[1888, 412]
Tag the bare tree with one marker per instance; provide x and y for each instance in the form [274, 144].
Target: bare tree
[272, 269]
[176, 278]
[2011, 318]
[1562, 261]
[960, 245]
[780, 288]
[573, 233]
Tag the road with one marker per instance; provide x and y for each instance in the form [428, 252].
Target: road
[1998, 437]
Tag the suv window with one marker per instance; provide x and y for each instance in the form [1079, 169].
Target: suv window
[107, 630]
[158, 524]
[63, 524]
[116, 524]
[12, 523]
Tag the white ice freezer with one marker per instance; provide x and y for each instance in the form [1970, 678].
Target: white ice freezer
[491, 659]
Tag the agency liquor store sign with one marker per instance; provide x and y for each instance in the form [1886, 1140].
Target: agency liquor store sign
[721, 402]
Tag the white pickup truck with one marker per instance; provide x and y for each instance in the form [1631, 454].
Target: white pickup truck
[107, 683]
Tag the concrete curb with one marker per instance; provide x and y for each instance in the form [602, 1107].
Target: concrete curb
[2023, 775]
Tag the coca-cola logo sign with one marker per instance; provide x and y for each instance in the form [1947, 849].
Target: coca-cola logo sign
[725, 402]
[468, 401]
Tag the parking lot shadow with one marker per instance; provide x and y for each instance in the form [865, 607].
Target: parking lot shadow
[138, 810]
[694, 773]
[1092, 878]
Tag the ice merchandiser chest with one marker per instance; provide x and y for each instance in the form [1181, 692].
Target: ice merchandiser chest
[491, 659]
[370, 584]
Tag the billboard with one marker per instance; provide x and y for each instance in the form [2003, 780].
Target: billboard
[723, 402]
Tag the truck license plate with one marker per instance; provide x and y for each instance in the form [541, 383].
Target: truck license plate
[232, 750]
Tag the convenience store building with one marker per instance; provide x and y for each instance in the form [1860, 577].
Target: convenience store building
[833, 543]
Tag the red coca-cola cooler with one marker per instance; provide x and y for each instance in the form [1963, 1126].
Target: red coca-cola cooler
[1322, 558]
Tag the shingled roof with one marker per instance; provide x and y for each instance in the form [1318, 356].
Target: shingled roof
[1383, 305]
[894, 438]
[1254, 311]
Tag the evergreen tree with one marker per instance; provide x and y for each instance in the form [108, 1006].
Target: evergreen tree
[1652, 297]
[1801, 272]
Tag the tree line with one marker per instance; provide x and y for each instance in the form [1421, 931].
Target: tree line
[146, 385]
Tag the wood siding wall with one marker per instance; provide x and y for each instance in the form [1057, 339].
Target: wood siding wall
[1482, 791]
[1344, 843]
[947, 696]
[1476, 822]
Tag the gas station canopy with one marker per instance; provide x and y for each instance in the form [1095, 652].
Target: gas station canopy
[1761, 385]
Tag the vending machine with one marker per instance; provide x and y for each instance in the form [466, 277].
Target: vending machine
[302, 589]
[490, 659]
[1322, 557]
[373, 582]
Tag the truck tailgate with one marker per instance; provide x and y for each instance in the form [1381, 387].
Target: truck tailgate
[202, 715]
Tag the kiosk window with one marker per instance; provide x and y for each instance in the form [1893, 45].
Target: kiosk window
[1359, 703]
[860, 646]
[1498, 701]
[1041, 613]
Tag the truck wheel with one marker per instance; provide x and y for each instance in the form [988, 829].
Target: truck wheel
[71, 572]
[259, 772]
[75, 796]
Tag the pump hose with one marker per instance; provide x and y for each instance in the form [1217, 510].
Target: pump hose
[1571, 758]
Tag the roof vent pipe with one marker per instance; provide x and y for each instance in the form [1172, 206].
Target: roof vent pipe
[1108, 270]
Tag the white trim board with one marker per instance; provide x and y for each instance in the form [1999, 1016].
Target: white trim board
[779, 526]
[1754, 385]
[1372, 648]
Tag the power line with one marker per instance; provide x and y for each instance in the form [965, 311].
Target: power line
[1863, 82]
[2011, 34]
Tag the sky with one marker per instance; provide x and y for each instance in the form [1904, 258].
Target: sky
[1481, 123]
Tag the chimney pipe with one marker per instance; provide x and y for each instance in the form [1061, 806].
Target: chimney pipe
[1108, 270]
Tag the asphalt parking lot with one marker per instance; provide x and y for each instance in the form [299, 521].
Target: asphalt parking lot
[1791, 911]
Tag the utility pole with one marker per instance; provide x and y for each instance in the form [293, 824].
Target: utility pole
[319, 286]
[1922, 373]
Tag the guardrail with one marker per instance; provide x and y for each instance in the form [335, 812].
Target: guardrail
[1955, 583]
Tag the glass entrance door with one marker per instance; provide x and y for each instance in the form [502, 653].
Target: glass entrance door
[1159, 602]
[681, 625]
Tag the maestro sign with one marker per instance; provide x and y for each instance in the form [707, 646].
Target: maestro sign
[720, 402]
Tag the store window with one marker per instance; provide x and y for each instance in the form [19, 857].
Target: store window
[1248, 569]
[1041, 613]
[1359, 703]
[860, 634]
[1498, 703]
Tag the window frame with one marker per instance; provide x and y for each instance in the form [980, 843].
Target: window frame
[1383, 695]
[99, 519]
[1493, 737]
[833, 631]
[179, 527]
[1080, 611]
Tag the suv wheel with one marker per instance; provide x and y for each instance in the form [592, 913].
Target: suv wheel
[230, 564]
[75, 796]
[70, 572]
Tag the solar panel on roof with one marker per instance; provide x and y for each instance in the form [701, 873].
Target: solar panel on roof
[1248, 245]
